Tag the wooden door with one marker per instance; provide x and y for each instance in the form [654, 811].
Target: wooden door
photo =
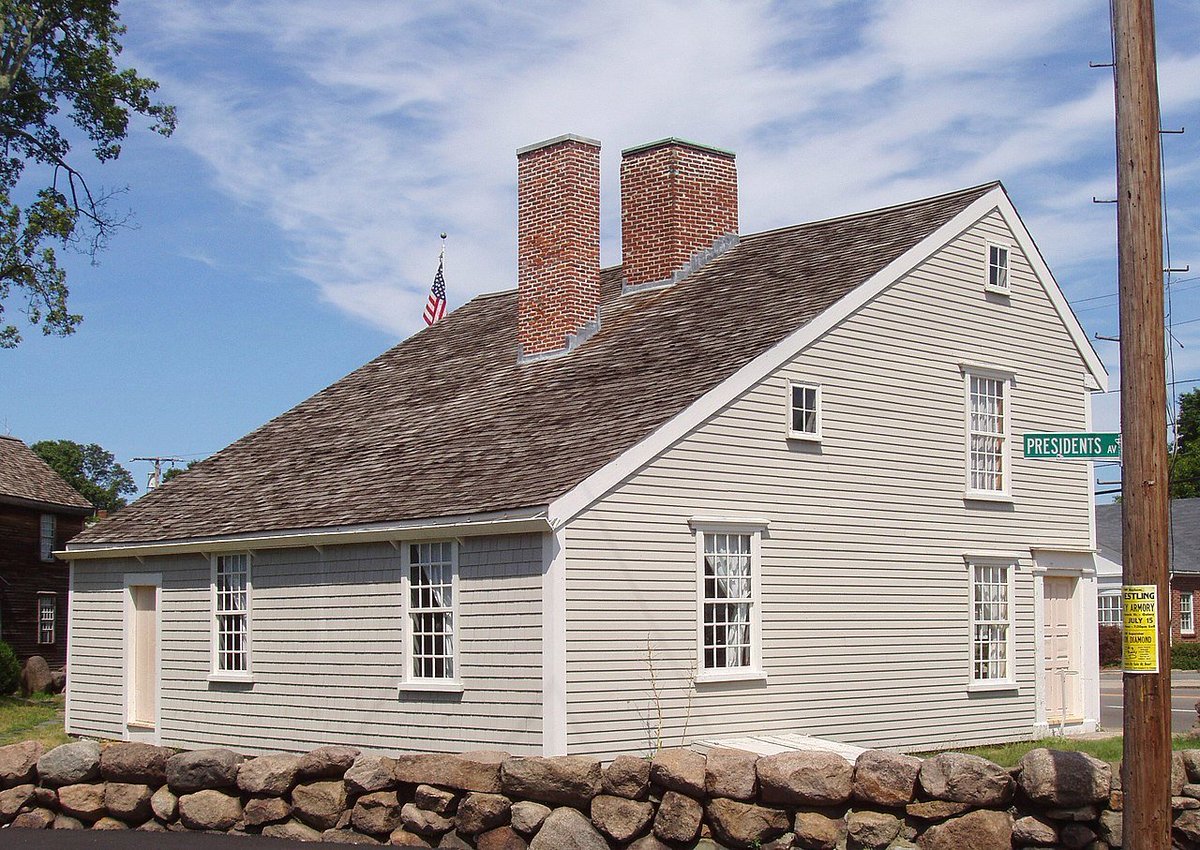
[1061, 651]
[143, 637]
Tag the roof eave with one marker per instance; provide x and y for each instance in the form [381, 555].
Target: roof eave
[48, 507]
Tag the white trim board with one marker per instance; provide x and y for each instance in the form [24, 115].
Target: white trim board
[566, 507]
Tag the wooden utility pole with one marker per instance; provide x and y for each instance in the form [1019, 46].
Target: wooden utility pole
[1144, 506]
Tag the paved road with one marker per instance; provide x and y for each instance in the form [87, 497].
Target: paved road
[65, 839]
[1185, 693]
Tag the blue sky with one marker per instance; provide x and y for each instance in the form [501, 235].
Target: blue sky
[288, 232]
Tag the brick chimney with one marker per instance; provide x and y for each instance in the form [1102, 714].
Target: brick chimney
[678, 200]
[558, 244]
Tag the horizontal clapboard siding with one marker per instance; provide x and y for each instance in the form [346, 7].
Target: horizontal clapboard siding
[326, 653]
[864, 585]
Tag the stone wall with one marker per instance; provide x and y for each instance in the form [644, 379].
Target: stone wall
[678, 799]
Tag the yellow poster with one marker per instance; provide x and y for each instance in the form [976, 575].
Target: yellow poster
[1139, 613]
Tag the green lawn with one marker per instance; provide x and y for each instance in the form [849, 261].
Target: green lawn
[1105, 749]
[39, 718]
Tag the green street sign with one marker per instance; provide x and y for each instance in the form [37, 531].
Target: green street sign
[1083, 446]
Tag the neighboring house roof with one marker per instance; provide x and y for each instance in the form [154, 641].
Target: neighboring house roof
[1185, 534]
[26, 479]
[448, 423]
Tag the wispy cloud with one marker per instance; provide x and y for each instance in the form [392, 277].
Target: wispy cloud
[363, 129]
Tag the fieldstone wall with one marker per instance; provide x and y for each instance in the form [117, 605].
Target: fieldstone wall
[677, 799]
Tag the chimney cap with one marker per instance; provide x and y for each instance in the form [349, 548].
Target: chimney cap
[674, 140]
[565, 137]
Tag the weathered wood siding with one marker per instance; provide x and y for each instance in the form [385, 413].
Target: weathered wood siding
[24, 575]
[326, 650]
[865, 614]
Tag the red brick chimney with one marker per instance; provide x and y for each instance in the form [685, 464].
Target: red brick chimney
[558, 244]
[678, 200]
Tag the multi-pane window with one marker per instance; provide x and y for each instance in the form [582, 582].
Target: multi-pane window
[49, 530]
[804, 410]
[987, 432]
[728, 604]
[431, 610]
[1109, 609]
[991, 622]
[47, 611]
[997, 271]
[231, 583]
[1187, 616]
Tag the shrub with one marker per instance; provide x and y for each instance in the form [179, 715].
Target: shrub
[10, 670]
[1185, 656]
[1110, 646]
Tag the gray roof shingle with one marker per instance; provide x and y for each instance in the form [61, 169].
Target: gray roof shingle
[26, 479]
[1185, 534]
[448, 423]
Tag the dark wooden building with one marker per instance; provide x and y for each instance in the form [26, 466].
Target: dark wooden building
[39, 513]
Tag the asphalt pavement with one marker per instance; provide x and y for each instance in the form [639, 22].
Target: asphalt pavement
[1185, 693]
[70, 839]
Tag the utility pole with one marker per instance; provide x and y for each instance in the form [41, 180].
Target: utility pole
[1144, 504]
[155, 477]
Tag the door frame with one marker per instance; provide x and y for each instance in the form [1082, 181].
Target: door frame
[138, 731]
[1078, 564]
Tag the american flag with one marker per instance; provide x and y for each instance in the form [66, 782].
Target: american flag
[435, 307]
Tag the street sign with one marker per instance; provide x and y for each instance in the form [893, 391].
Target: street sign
[1097, 445]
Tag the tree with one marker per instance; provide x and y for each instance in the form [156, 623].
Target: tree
[57, 54]
[89, 469]
[175, 471]
[1185, 463]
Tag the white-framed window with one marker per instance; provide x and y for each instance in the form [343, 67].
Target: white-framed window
[987, 398]
[997, 268]
[729, 627]
[1108, 609]
[231, 615]
[49, 530]
[47, 612]
[991, 622]
[431, 591]
[1187, 615]
[804, 411]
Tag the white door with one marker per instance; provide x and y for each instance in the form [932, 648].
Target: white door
[143, 655]
[1061, 651]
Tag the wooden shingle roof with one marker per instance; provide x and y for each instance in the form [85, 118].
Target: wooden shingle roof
[26, 479]
[447, 423]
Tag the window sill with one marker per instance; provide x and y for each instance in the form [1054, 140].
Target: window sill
[231, 678]
[802, 435]
[437, 686]
[988, 687]
[987, 496]
[999, 290]
[742, 675]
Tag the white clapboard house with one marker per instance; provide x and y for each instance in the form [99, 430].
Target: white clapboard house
[737, 485]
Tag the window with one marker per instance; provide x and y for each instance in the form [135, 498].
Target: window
[231, 611]
[1187, 617]
[47, 611]
[987, 434]
[804, 411]
[1110, 609]
[49, 532]
[991, 623]
[997, 268]
[728, 609]
[431, 621]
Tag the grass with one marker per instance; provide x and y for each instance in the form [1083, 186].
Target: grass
[1105, 749]
[38, 718]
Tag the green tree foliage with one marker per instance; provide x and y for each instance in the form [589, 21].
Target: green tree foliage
[59, 76]
[1185, 465]
[89, 469]
[175, 471]
[10, 670]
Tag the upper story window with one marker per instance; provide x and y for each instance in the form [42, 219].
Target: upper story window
[47, 613]
[231, 614]
[997, 268]
[804, 411]
[49, 531]
[432, 592]
[1187, 616]
[987, 434]
[1109, 609]
[991, 622]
